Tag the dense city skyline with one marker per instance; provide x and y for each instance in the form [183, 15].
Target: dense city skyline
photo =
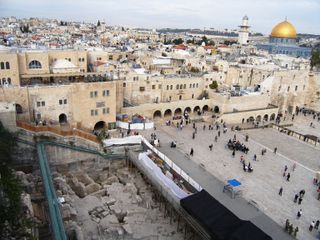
[263, 15]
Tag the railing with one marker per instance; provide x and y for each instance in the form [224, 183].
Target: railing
[172, 165]
[58, 131]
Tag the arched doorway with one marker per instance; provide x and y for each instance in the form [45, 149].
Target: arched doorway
[19, 109]
[63, 118]
[216, 109]
[167, 113]
[196, 109]
[157, 114]
[272, 117]
[188, 110]
[258, 119]
[99, 125]
[178, 112]
[265, 117]
[205, 108]
[250, 119]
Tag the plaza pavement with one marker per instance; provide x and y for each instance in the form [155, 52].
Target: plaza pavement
[260, 187]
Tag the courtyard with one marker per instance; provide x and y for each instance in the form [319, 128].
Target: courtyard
[212, 169]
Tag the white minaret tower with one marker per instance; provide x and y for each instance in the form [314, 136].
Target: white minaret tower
[243, 38]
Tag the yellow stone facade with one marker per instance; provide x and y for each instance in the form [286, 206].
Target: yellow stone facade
[57, 97]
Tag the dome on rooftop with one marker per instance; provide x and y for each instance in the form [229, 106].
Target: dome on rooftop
[284, 30]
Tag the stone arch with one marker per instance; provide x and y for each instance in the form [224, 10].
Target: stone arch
[216, 109]
[177, 112]
[167, 113]
[63, 118]
[187, 109]
[250, 119]
[19, 109]
[258, 119]
[35, 64]
[272, 117]
[205, 108]
[157, 114]
[196, 109]
[265, 117]
[99, 125]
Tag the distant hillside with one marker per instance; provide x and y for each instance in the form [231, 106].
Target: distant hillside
[205, 32]
[307, 35]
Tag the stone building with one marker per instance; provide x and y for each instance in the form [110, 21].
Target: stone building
[283, 40]
[55, 86]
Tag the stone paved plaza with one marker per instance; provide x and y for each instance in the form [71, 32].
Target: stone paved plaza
[263, 184]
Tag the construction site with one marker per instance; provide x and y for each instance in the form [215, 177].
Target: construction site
[77, 189]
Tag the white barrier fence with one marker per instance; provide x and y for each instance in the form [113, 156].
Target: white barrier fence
[137, 140]
[135, 126]
[171, 164]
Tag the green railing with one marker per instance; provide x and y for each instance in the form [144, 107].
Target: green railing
[53, 204]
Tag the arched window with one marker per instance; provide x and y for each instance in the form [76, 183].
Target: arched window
[9, 81]
[7, 65]
[2, 65]
[34, 64]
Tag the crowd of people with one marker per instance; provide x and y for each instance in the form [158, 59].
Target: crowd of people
[235, 145]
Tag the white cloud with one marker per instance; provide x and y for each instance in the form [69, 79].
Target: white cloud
[263, 14]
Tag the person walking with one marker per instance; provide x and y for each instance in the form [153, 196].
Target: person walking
[312, 225]
[219, 133]
[191, 152]
[210, 146]
[285, 168]
[255, 157]
[299, 213]
[300, 200]
[288, 177]
[317, 224]
[296, 198]
[275, 150]
[280, 191]
[296, 230]
[216, 138]
[294, 167]
[233, 153]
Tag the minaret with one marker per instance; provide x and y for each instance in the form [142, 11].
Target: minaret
[243, 38]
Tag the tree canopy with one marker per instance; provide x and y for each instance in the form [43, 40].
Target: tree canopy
[178, 41]
[315, 59]
[214, 84]
[13, 224]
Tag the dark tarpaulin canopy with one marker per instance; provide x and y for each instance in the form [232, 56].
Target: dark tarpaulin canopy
[219, 221]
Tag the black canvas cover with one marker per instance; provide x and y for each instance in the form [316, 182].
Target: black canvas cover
[219, 221]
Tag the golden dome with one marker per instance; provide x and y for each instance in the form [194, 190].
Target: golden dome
[284, 30]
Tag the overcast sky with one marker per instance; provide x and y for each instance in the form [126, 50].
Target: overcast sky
[263, 14]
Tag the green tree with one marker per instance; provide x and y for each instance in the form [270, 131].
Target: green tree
[177, 41]
[98, 24]
[213, 85]
[315, 59]
[13, 223]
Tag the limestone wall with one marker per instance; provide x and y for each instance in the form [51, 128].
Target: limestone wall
[238, 117]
